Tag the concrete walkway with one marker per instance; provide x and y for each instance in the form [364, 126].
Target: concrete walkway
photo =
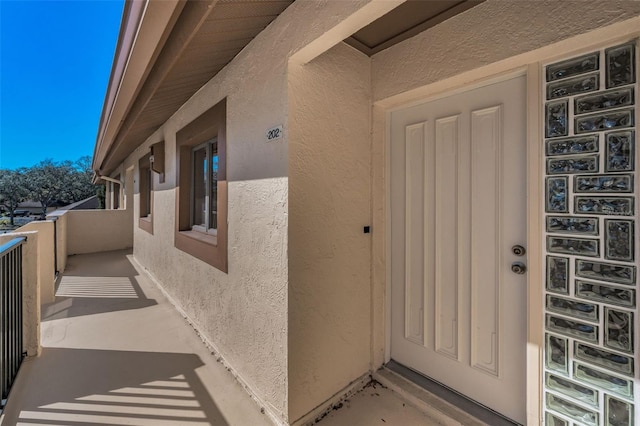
[116, 352]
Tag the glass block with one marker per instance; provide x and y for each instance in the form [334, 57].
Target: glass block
[573, 67]
[557, 355]
[573, 86]
[603, 183]
[604, 100]
[618, 329]
[577, 246]
[557, 188]
[600, 357]
[618, 239]
[604, 121]
[604, 293]
[617, 412]
[558, 274]
[578, 164]
[572, 225]
[574, 411]
[620, 152]
[575, 145]
[556, 119]
[572, 328]
[571, 389]
[572, 308]
[604, 380]
[552, 420]
[620, 66]
[622, 206]
[606, 271]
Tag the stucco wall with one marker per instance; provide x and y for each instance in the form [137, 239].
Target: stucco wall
[46, 269]
[292, 315]
[476, 38]
[329, 204]
[92, 231]
[243, 313]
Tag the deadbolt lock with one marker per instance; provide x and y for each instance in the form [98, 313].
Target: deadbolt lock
[518, 268]
[518, 250]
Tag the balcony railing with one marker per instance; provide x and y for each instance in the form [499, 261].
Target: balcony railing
[11, 321]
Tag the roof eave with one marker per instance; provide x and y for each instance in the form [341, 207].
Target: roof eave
[144, 29]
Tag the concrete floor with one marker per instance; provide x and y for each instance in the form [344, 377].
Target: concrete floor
[378, 405]
[116, 352]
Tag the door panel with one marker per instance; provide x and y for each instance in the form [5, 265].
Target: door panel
[457, 207]
[414, 208]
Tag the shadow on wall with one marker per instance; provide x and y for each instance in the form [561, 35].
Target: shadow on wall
[113, 388]
[96, 283]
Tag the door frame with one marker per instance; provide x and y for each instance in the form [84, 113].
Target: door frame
[529, 64]
[534, 231]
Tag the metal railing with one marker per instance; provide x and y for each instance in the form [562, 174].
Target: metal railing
[11, 323]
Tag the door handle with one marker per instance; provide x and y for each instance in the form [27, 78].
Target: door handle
[518, 250]
[518, 268]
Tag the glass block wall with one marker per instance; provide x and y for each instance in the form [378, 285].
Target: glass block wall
[591, 317]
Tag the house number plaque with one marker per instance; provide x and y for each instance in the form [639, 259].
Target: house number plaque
[274, 133]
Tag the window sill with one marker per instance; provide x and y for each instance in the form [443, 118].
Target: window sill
[206, 247]
[211, 239]
[146, 224]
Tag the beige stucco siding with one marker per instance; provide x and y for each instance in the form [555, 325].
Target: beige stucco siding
[244, 313]
[299, 314]
[46, 268]
[329, 203]
[490, 32]
[92, 231]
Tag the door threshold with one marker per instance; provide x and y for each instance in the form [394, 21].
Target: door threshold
[446, 400]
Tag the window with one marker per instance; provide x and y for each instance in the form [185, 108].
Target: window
[204, 207]
[201, 199]
[145, 187]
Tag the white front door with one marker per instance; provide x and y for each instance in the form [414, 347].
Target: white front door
[458, 197]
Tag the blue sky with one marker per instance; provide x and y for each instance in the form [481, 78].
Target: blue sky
[55, 61]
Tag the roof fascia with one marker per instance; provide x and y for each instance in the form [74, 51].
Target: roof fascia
[145, 27]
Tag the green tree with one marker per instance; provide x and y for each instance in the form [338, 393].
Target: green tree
[13, 189]
[49, 182]
[80, 185]
[63, 182]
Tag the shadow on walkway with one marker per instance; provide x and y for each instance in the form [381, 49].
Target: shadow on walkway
[82, 387]
[94, 284]
[137, 363]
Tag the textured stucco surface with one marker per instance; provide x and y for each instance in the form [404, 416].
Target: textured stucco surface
[476, 38]
[329, 203]
[245, 313]
[46, 273]
[298, 315]
[92, 231]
